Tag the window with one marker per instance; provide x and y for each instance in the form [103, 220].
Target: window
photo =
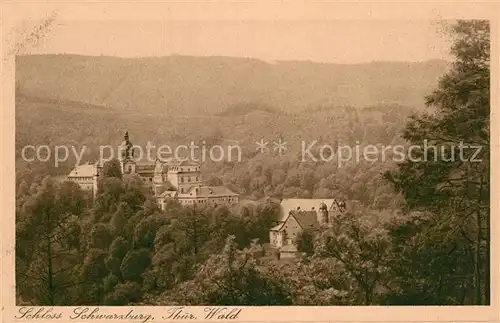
[189, 179]
[196, 178]
[182, 179]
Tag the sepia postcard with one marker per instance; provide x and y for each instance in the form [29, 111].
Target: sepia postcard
[257, 161]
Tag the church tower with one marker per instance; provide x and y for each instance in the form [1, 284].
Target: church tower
[126, 152]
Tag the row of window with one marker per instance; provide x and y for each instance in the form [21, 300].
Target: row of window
[129, 168]
[182, 169]
[189, 179]
[192, 201]
[79, 179]
[203, 201]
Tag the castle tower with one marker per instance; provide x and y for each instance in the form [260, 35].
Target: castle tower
[322, 214]
[126, 152]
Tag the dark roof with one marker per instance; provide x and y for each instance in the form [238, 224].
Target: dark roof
[278, 227]
[177, 162]
[288, 205]
[168, 164]
[306, 219]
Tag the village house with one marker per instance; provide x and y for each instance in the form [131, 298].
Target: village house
[297, 215]
[171, 178]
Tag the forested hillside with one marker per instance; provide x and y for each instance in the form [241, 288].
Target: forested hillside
[256, 175]
[186, 85]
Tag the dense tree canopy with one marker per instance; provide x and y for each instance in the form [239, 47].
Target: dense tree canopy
[455, 186]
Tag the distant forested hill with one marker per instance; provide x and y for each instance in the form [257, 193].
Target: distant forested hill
[91, 101]
[211, 85]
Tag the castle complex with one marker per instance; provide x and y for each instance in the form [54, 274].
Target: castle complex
[172, 178]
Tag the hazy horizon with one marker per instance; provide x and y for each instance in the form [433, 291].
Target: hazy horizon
[235, 57]
[334, 41]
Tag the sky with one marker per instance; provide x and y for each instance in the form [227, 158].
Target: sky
[337, 41]
[308, 33]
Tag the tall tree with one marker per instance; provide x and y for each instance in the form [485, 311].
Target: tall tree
[47, 243]
[361, 249]
[305, 241]
[112, 168]
[451, 180]
[232, 277]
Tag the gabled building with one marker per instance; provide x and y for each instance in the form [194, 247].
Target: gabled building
[287, 231]
[333, 206]
[298, 215]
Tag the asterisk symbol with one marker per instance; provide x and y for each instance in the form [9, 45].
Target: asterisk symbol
[261, 146]
[280, 146]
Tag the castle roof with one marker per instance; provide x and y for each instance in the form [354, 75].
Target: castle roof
[306, 219]
[100, 162]
[278, 227]
[288, 205]
[85, 170]
[166, 165]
